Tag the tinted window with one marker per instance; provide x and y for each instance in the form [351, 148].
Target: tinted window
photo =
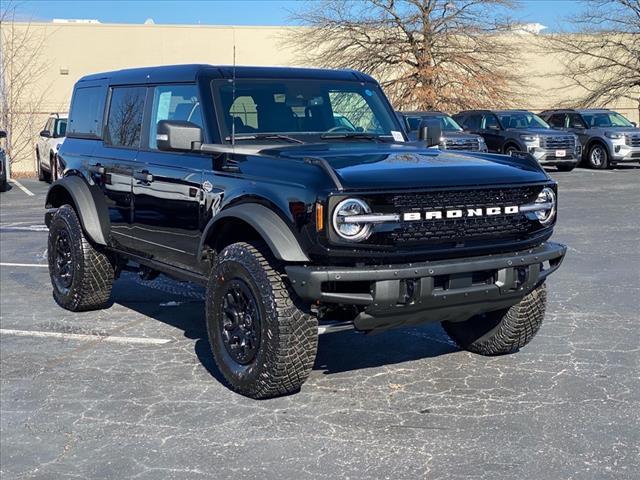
[85, 118]
[606, 119]
[575, 121]
[174, 102]
[125, 116]
[473, 122]
[556, 120]
[522, 120]
[60, 128]
[490, 121]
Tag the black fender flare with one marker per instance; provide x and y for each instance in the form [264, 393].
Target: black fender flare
[273, 230]
[88, 202]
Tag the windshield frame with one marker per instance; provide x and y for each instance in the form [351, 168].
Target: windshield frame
[306, 137]
[544, 124]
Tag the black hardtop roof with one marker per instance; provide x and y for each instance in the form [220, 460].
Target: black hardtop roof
[189, 73]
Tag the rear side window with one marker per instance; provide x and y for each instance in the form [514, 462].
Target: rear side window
[556, 120]
[85, 117]
[124, 123]
[575, 121]
[174, 102]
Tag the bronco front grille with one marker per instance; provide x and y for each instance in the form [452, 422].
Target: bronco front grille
[457, 231]
[632, 139]
[565, 142]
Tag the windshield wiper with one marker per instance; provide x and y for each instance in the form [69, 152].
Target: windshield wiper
[268, 136]
[351, 135]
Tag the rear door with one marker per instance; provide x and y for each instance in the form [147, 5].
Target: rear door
[114, 160]
[167, 186]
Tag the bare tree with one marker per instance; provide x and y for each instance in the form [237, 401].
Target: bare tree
[601, 57]
[427, 54]
[21, 67]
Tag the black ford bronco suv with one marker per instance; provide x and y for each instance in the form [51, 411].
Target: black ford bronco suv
[293, 196]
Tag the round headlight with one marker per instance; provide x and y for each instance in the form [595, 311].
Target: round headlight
[547, 197]
[345, 222]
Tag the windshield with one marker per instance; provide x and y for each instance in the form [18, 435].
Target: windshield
[447, 123]
[301, 108]
[521, 120]
[606, 119]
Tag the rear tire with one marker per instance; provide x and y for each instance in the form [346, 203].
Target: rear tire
[81, 275]
[502, 331]
[263, 341]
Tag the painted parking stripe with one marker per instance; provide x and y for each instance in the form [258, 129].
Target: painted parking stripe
[31, 228]
[84, 337]
[34, 265]
[22, 187]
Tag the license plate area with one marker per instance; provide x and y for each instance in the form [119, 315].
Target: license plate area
[561, 153]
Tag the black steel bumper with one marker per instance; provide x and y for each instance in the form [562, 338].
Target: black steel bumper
[451, 290]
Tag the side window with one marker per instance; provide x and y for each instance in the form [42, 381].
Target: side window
[174, 102]
[60, 128]
[489, 121]
[85, 117]
[244, 113]
[125, 117]
[557, 120]
[472, 122]
[575, 121]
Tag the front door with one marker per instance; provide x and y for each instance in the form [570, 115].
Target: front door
[167, 186]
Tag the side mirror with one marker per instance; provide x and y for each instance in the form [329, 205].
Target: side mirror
[634, 124]
[178, 135]
[430, 132]
[3, 134]
[45, 133]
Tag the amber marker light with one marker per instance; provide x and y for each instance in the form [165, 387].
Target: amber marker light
[319, 217]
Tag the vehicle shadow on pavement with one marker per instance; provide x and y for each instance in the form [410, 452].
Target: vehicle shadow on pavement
[182, 306]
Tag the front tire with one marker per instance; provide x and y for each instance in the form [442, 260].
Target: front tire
[41, 175]
[598, 158]
[81, 275]
[502, 331]
[263, 341]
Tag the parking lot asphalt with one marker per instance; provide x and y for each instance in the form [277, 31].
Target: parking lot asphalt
[131, 392]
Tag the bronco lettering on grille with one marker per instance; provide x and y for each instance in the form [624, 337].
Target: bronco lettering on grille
[459, 213]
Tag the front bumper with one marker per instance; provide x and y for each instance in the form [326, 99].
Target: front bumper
[548, 157]
[624, 153]
[451, 290]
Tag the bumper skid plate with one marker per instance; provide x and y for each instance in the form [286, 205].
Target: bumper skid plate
[452, 290]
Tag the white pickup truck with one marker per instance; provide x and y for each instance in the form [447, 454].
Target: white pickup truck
[51, 137]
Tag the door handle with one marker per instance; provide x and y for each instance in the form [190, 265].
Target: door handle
[97, 168]
[143, 176]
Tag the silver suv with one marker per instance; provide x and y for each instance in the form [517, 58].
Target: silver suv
[606, 136]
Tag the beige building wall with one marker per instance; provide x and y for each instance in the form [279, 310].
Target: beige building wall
[73, 50]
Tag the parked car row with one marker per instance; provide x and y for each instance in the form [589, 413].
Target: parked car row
[599, 138]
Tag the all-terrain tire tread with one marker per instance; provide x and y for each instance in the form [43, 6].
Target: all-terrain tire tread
[517, 327]
[95, 271]
[287, 366]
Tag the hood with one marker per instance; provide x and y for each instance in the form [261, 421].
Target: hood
[451, 134]
[393, 166]
[629, 130]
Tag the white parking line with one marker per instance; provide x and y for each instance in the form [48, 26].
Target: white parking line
[35, 265]
[84, 337]
[22, 187]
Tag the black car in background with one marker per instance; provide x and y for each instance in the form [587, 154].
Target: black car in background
[510, 131]
[607, 137]
[453, 136]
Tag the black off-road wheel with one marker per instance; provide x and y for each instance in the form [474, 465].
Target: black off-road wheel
[502, 331]
[81, 275]
[263, 339]
[598, 157]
